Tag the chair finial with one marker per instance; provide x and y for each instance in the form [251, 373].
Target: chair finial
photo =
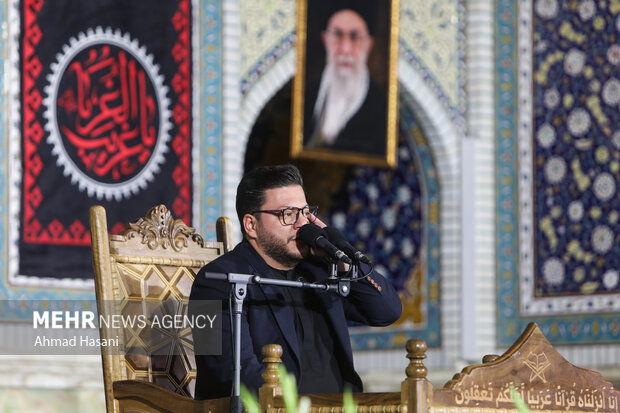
[416, 352]
[271, 358]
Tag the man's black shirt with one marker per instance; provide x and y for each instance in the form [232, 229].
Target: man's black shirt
[320, 370]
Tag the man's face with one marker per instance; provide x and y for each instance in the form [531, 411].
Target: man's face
[347, 41]
[275, 242]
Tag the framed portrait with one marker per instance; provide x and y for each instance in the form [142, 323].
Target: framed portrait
[345, 89]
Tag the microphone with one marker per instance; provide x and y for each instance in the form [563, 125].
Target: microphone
[341, 242]
[314, 236]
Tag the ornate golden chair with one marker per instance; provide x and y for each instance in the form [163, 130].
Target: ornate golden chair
[154, 260]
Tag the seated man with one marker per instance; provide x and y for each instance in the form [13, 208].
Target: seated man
[310, 325]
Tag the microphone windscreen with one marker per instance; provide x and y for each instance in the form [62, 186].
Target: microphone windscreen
[339, 240]
[309, 233]
[335, 236]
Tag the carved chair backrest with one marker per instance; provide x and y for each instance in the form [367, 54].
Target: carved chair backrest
[154, 261]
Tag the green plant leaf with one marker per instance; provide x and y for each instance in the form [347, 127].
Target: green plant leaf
[348, 404]
[518, 401]
[250, 403]
[289, 389]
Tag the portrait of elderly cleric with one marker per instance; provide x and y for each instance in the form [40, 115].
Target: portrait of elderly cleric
[344, 98]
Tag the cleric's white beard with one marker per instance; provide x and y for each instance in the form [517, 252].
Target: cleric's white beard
[341, 94]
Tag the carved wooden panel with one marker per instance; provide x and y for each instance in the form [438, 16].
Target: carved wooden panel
[543, 378]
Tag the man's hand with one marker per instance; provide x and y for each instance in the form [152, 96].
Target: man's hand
[316, 221]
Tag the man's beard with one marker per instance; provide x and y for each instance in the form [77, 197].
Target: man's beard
[276, 248]
[341, 94]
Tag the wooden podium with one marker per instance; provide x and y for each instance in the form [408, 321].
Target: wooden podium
[545, 381]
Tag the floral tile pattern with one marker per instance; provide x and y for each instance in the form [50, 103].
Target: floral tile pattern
[558, 164]
[577, 141]
[393, 213]
[267, 31]
[431, 40]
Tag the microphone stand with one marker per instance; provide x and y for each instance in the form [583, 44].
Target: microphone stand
[355, 270]
[239, 289]
[344, 284]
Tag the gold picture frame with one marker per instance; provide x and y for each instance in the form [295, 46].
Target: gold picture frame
[320, 25]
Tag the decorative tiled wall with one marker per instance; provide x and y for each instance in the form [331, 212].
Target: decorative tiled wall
[207, 113]
[557, 164]
[431, 39]
[477, 294]
[268, 31]
[4, 113]
[576, 153]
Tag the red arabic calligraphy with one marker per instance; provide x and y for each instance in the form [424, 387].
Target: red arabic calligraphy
[110, 114]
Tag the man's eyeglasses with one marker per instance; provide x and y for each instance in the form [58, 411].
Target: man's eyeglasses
[339, 36]
[290, 215]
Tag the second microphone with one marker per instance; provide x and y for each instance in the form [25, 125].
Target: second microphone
[315, 237]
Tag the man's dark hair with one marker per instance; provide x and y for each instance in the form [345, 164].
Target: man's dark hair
[251, 189]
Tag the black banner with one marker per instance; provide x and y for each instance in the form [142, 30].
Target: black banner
[106, 119]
